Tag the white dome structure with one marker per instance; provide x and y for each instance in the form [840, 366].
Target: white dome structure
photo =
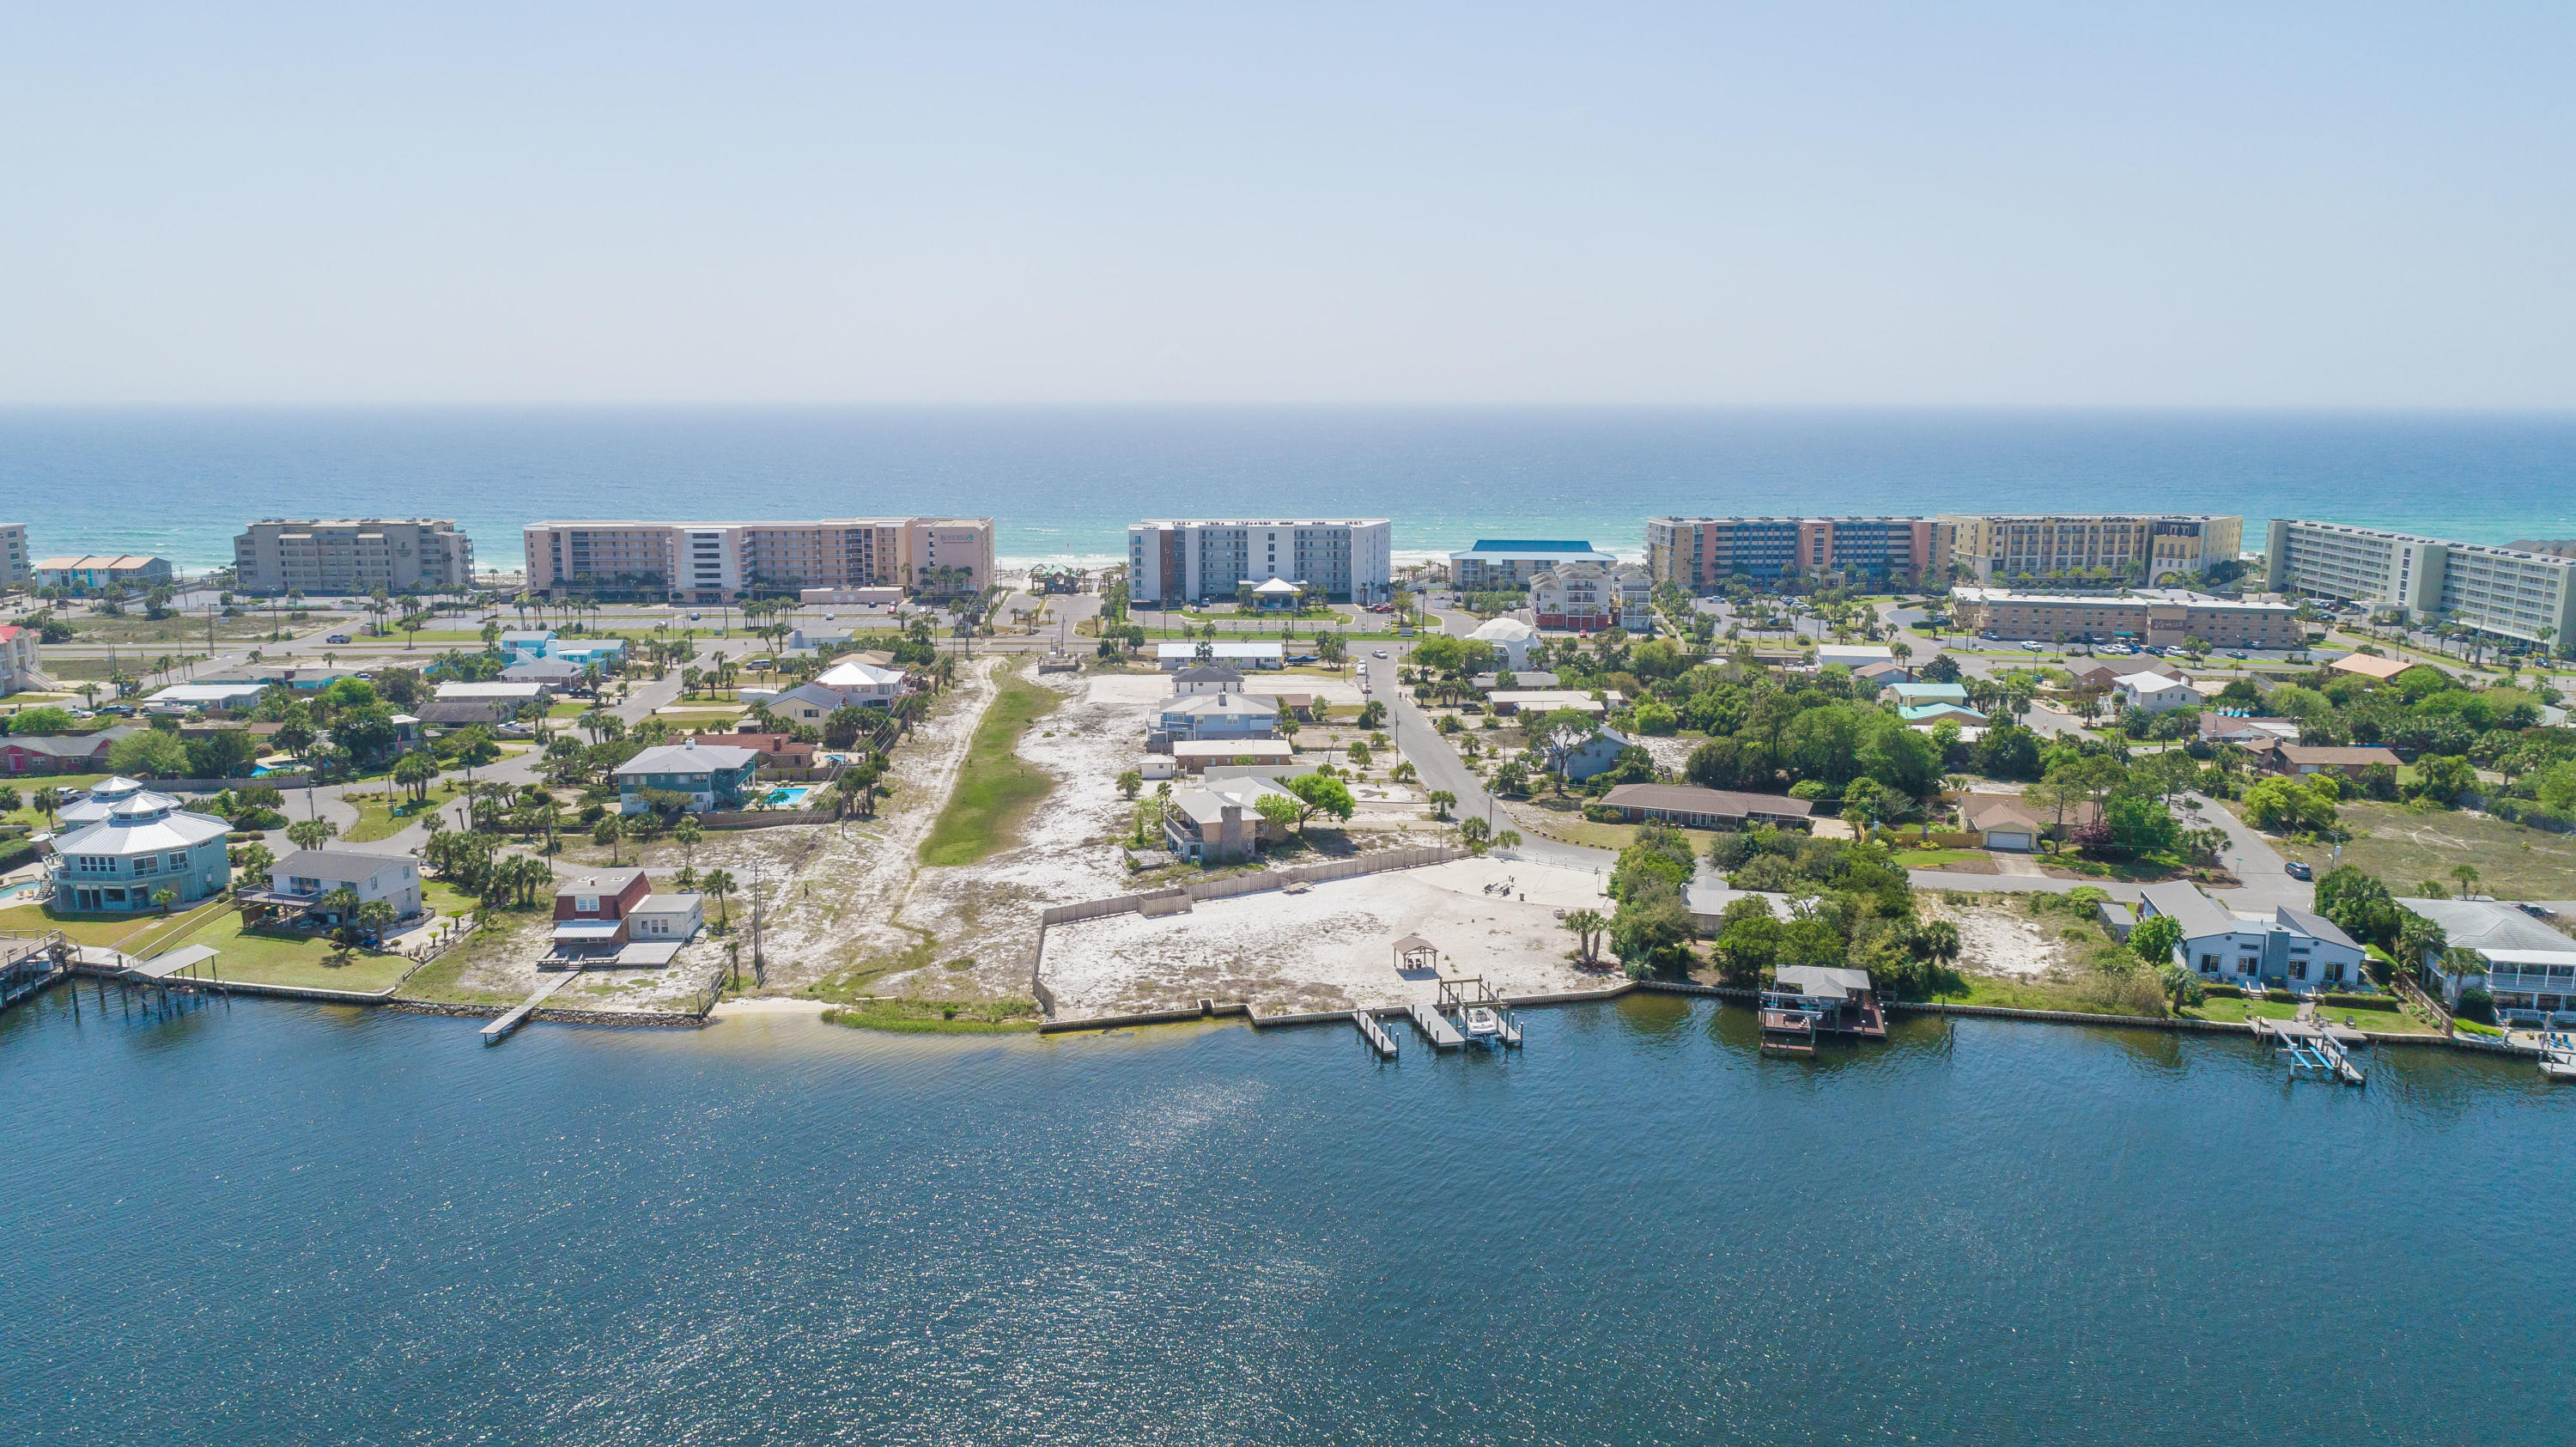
[1511, 638]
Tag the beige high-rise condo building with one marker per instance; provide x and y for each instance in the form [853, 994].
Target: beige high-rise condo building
[2145, 547]
[353, 556]
[1707, 552]
[16, 566]
[718, 562]
[2505, 591]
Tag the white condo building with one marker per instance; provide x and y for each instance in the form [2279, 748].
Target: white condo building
[1172, 561]
[717, 562]
[2495, 590]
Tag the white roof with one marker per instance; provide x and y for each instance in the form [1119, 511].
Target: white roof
[1504, 630]
[854, 674]
[207, 692]
[1228, 748]
[2154, 682]
[1220, 649]
[1544, 699]
[667, 904]
[144, 824]
[1221, 703]
[487, 692]
[1848, 653]
[1276, 587]
[690, 758]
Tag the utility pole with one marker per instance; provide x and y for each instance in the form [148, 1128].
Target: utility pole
[759, 971]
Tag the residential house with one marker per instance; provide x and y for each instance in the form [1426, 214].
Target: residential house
[715, 776]
[92, 573]
[557, 673]
[22, 658]
[777, 751]
[1928, 714]
[866, 684]
[1879, 674]
[1207, 678]
[591, 912]
[101, 801]
[1586, 597]
[676, 918]
[1535, 680]
[2222, 728]
[2524, 964]
[1509, 637]
[1195, 755]
[513, 696]
[301, 879]
[1914, 693]
[59, 753]
[607, 653]
[2012, 823]
[1220, 822]
[2158, 692]
[1598, 754]
[1203, 716]
[2345, 760]
[464, 715]
[525, 643]
[146, 844]
[1174, 657]
[193, 696]
[2293, 949]
[1853, 656]
[1548, 700]
[1696, 808]
[808, 704]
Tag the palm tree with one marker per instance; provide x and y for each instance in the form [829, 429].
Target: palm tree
[49, 801]
[688, 832]
[611, 828]
[2467, 875]
[341, 904]
[716, 886]
[311, 833]
[1588, 926]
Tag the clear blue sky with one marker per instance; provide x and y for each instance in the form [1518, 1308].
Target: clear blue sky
[2235, 204]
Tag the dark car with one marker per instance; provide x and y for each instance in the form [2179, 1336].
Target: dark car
[2296, 870]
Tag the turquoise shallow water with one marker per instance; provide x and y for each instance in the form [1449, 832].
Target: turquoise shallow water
[290, 1224]
[1068, 481]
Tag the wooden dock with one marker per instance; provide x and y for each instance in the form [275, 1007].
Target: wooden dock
[1374, 1033]
[1441, 1034]
[499, 1030]
[2314, 1050]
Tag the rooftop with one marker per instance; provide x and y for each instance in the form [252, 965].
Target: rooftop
[688, 758]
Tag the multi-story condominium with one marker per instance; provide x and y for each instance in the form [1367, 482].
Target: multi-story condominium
[1502, 565]
[89, 574]
[351, 556]
[2146, 546]
[717, 562]
[16, 565]
[22, 659]
[1589, 596]
[2531, 596]
[1698, 553]
[2158, 618]
[1173, 561]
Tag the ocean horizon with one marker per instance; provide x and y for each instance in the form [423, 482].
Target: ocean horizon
[1063, 483]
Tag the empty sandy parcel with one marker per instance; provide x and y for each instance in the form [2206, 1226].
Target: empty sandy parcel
[1331, 947]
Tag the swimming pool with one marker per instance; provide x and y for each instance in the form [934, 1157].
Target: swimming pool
[22, 891]
[790, 796]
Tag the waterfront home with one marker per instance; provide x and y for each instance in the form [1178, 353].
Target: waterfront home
[1803, 1001]
[1173, 657]
[22, 658]
[1509, 637]
[2341, 759]
[713, 777]
[1696, 808]
[96, 571]
[1220, 822]
[2158, 692]
[777, 751]
[676, 918]
[146, 843]
[1207, 678]
[2293, 949]
[59, 753]
[591, 911]
[102, 800]
[298, 883]
[868, 685]
[2523, 963]
[1196, 755]
[1218, 716]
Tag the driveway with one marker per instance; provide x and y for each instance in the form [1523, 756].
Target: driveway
[2251, 856]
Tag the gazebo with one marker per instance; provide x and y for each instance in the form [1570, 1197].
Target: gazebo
[1278, 593]
[1413, 952]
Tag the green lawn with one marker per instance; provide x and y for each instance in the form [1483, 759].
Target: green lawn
[377, 820]
[2235, 1011]
[312, 963]
[995, 788]
[938, 1017]
[1936, 858]
[132, 933]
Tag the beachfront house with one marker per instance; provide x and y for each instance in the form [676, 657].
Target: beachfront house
[591, 911]
[145, 844]
[675, 918]
[2524, 964]
[298, 883]
[865, 684]
[2288, 949]
[807, 704]
[1220, 822]
[705, 776]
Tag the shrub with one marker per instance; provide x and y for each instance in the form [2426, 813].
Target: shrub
[2476, 1004]
[2342, 1001]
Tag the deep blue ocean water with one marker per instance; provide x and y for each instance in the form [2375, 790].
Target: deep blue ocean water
[283, 1224]
[1066, 482]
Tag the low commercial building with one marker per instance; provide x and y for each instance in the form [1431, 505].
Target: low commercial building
[1176, 561]
[1505, 565]
[2292, 949]
[145, 845]
[2502, 591]
[1173, 657]
[1586, 597]
[2154, 618]
[1854, 656]
[713, 776]
[718, 562]
[92, 573]
[1703, 553]
[2148, 547]
[1696, 808]
[353, 556]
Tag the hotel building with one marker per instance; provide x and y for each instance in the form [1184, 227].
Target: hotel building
[2159, 619]
[1508, 564]
[353, 556]
[717, 562]
[1702, 553]
[2496, 590]
[16, 565]
[2148, 546]
[1174, 561]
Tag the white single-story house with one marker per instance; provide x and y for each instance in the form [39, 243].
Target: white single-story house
[208, 695]
[2293, 949]
[520, 693]
[1195, 755]
[674, 917]
[1173, 657]
[1853, 655]
[1510, 637]
[866, 684]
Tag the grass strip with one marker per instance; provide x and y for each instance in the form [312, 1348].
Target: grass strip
[996, 788]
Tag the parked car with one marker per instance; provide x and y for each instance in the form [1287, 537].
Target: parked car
[2032, 645]
[2297, 870]
[1380, 653]
[339, 638]
[2236, 653]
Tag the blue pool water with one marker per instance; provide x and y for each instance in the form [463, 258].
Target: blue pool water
[790, 797]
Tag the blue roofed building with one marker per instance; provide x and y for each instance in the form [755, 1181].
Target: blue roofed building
[1501, 565]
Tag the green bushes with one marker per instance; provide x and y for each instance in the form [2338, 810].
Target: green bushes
[2342, 1001]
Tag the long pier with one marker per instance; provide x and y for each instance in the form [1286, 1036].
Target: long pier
[499, 1030]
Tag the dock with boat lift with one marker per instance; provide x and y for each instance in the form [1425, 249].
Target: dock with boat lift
[2315, 1051]
[1441, 1034]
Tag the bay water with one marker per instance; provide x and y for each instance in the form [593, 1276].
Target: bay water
[271, 1223]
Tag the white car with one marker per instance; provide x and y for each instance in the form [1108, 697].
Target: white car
[2032, 645]
[1381, 653]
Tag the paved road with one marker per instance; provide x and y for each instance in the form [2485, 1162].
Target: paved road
[1441, 768]
[2252, 857]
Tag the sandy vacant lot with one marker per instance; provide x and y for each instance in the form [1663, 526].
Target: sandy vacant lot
[1330, 947]
[1998, 939]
